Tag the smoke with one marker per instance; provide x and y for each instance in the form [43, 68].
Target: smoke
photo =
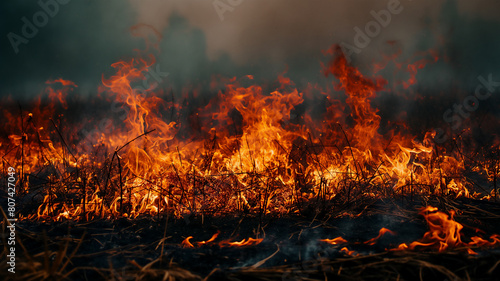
[281, 29]
[78, 42]
[265, 38]
[258, 37]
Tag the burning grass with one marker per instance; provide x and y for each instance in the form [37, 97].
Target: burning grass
[239, 152]
[242, 154]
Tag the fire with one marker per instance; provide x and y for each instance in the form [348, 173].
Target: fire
[348, 252]
[381, 233]
[444, 234]
[334, 241]
[186, 243]
[246, 150]
[371, 242]
[209, 240]
[243, 243]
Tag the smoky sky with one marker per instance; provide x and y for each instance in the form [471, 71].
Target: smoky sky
[263, 38]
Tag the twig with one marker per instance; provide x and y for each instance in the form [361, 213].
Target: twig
[350, 148]
[62, 139]
[118, 150]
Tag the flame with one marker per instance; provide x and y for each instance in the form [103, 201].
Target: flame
[334, 241]
[186, 243]
[372, 241]
[444, 233]
[381, 233]
[201, 243]
[245, 150]
[243, 243]
[348, 252]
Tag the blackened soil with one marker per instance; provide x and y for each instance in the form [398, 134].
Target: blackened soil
[121, 247]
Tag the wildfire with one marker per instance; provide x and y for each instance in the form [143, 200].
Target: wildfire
[334, 241]
[243, 151]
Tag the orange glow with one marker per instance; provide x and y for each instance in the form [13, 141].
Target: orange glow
[186, 243]
[334, 241]
[242, 243]
[444, 234]
[444, 231]
[245, 150]
[340, 240]
[381, 232]
[348, 252]
[201, 243]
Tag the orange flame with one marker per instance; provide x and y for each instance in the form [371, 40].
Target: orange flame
[243, 243]
[372, 241]
[186, 243]
[334, 241]
[209, 241]
[348, 252]
[381, 232]
[247, 151]
[444, 233]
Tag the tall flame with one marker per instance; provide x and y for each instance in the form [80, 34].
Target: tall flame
[246, 150]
